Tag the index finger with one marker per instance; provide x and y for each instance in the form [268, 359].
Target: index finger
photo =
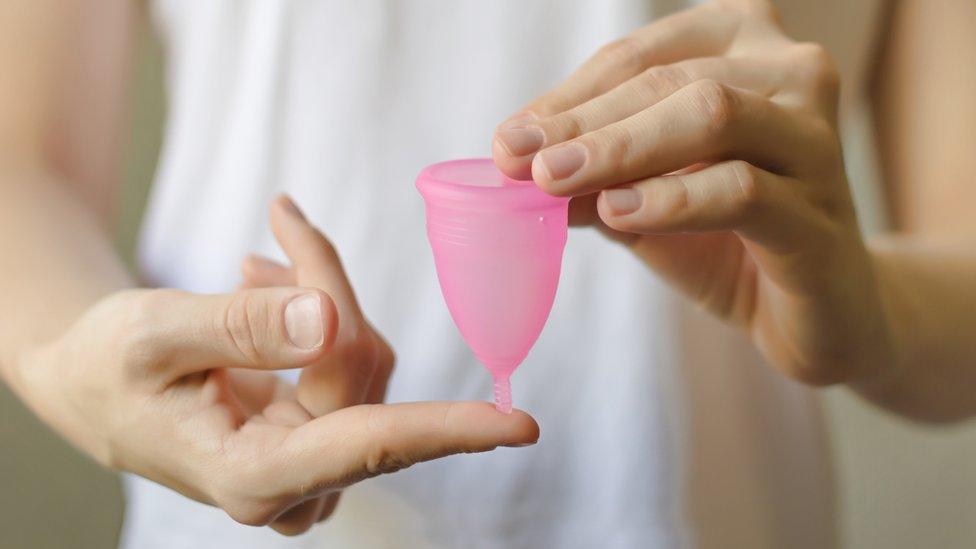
[313, 257]
[698, 32]
[359, 442]
[353, 365]
[704, 122]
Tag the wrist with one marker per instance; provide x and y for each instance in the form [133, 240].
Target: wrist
[23, 373]
[38, 375]
[12, 371]
[897, 318]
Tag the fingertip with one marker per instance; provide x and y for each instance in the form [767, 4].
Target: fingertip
[303, 243]
[330, 319]
[279, 215]
[615, 222]
[312, 336]
[561, 170]
[329, 506]
[515, 429]
[288, 206]
[583, 210]
[542, 179]
[602, 208]
[525, 429]
[287, 221]
[515, 167]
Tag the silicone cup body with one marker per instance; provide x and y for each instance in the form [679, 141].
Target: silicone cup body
[498, 246]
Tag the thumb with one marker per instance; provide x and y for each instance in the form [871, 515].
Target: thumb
[355, 443]
[267, 328]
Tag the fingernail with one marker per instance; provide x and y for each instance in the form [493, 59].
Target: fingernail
[563, 161]
[520, 444]
[519, 119]
[622, 201]
[303, 321]
[521, 141]
[291, 207]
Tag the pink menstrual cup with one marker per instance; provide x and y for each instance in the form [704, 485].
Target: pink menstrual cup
[498, 247]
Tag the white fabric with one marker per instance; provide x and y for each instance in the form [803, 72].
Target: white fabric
[659, 427]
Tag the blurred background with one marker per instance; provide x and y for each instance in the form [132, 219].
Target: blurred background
[901, 486]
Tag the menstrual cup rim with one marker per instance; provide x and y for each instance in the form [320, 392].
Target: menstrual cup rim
[519, 195]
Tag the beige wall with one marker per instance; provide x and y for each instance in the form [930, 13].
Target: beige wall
[902, 486]
[50, 497]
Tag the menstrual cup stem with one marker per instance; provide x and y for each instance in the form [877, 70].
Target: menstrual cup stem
[503, 394]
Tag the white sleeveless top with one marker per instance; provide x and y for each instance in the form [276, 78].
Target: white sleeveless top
[660, 427]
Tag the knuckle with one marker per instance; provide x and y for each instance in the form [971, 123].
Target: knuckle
[814, 55]
[321, 243]
[242, 324]
[385, 357]
[324, 242]
[716, 103]
[675, 202]
[241, 490]
[615, 145]
[763, 8]
[146, 306]
[541, 106]
[625, 52]
[665, 78]
[823, 132]
[387, 360]
[554, 101]
[359, 352]
[823, 145]
[823, 375]
[672, 201]
[818, 66]
[364, 346]
[382, 458]
[569, 124]
[748, 186]
[250, 512]
[138, 338]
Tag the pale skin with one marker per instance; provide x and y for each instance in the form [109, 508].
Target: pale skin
[757, 226]
[707, 143]
[174, 386]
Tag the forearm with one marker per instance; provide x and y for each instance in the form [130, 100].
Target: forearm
[58, 259]
[929, 290]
